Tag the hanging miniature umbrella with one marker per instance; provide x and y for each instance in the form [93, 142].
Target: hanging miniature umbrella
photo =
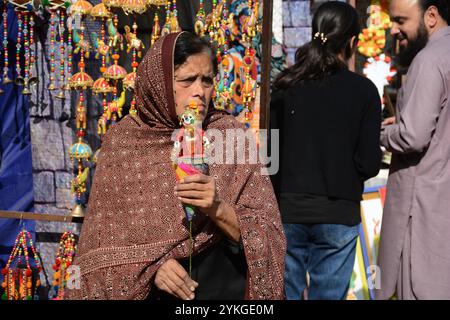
[115, 72]
[156, 2]
[129, 80]
[100, 11]
[101, 85]
[80, 81]
[134, 6]
[81, 7]
[80, 151]
[110, 4]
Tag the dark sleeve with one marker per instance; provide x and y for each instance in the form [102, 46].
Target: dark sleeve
[368, 152]
[276, 107]
[276, 102]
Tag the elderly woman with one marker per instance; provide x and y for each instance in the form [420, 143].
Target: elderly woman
[135, 242]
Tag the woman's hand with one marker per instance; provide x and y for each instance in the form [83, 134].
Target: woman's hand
[173, 279]
[199, 191]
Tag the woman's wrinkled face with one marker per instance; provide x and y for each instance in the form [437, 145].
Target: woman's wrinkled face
[194, 83]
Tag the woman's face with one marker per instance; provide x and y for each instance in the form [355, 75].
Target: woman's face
[194, 82]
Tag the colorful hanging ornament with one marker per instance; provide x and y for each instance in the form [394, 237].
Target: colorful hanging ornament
[32, 78]
[52, 85]
[250, 23]
[222, 95]
[100, 11]
[57, 9]
[371, 42]
[222, 90]
[80, 151]
[80, 80]
[19, 78]
[114, 73]
[62, 48]
[128, 84]
[102, 87]
[112, 4]
[211, 21]
[166, 27]
[134, 6]
[223, 34]
[81, 7]
[81, 44]
[133, 42]
[171, 25]
[378, 19]
[156, 2]
[200, 21]
[174, 25]
[26, 46]
[19, 280]
[6, 79]
[79, 10]
[69, 52]
[249, 88]
[129, 80]
[63, 260]
[115, 38]
[156, 31]
[379, 69]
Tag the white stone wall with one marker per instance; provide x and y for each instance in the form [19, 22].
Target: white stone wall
[297, 26]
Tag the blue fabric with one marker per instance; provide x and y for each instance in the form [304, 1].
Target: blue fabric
[326, 252]
[16, 178]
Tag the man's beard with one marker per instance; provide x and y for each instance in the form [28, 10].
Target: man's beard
[408, 53]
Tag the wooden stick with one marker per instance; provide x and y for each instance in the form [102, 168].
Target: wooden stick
[39, 216]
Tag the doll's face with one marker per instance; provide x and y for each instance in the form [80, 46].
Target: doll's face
[188, 119]
[194, 83]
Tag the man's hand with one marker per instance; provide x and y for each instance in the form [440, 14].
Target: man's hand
[173, 279]
[199, 191]
[388, 121]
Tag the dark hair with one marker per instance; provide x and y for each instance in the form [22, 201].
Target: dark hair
[338, 23]
[188, 44]
[443, 7]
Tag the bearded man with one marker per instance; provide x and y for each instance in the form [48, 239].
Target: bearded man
[414, 253]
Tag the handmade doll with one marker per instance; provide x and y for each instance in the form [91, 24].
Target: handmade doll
[188, 154]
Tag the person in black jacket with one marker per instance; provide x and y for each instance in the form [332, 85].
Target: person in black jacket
[329, 120]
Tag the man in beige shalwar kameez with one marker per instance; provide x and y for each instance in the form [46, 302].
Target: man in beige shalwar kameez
[414, 254]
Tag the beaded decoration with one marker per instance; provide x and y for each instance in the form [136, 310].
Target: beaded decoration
[63, 260]
[19, 281]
